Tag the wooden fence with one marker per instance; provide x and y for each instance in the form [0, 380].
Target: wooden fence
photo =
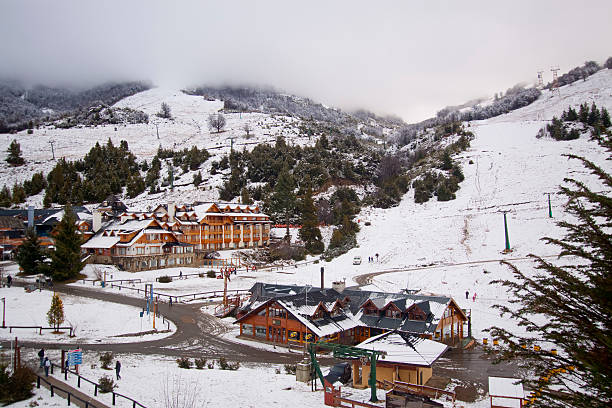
[39, 328]
[69, 395]
[96, 387]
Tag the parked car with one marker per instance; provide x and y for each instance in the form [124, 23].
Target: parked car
[357, 260]
[340, 372]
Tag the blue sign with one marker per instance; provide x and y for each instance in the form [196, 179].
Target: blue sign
[75, 357]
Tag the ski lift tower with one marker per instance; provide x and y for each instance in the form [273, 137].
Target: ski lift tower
[555, 82]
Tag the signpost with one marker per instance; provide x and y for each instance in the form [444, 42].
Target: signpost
[75, 358]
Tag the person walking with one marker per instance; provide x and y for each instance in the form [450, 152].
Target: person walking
[9, 281]
[170, 302]
[47, 365]
[66, 367]
[118, 369]
[467, 294]
[474, 297]
[41, 356]
[376, 257]
[181, 275]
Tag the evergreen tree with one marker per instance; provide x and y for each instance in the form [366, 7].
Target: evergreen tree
[310, 233]
[5, 197]
[66, 258]
[197, 179]
[583, 113]
[568, 304]
[14, 154]
[447, 161]
[593, 115]
[245, 198]
[571, 115]
[19, 194]
[283, 199]
[164, 111]
[605, 118]
[55, 315]
[30, 255]
[135, 185]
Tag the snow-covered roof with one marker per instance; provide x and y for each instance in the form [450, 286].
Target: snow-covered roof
[511, 388]
[323, 327]
[404, 348]
[100, 241]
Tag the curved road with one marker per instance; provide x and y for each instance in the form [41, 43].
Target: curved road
[197, 334]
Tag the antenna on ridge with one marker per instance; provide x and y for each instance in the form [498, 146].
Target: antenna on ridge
[555, 82]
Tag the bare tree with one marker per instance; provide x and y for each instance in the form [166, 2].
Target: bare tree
[216, 121]
[179, 392]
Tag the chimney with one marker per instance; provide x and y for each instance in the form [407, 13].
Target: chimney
[97, 221]
[339, 286]
[322, 276]
[30, 216]
[171, 211]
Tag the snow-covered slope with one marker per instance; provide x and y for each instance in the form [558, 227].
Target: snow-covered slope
[454, 247]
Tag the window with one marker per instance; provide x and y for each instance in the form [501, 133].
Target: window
[260, 331]
[247, 329]
[140, 250]
[155, 250]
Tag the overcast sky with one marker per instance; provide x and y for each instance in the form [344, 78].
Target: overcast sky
[408, 58]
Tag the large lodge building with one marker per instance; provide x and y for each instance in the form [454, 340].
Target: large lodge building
[299, 314]
[171, 236]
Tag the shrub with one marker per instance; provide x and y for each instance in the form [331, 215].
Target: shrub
[106, 359]
[211, 274]
[183, 362]
[210, 365]
[17, 386]
[106, 384]
[164, 279]
[200, 363]
[224, 365]
[290, 368]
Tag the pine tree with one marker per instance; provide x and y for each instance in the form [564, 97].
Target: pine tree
[30, 255]
[245, 198]
[593, 115]
[283, 199]
[66, 259]
[310, 233]
[55, 315]
[14, 154]
[164, 111]
[447, 161]
[583, 113]
[568, 304]
[197, 179]
[605, 118]
[19, 194]
[572, 115]
[5, 197]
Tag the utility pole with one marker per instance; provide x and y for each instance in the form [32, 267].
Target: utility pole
[3, 312]
[506, 231]
[52, 150]
[549, 206]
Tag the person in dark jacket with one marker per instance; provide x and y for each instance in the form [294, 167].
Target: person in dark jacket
[41, 356]
[118, 369]
[9, 281]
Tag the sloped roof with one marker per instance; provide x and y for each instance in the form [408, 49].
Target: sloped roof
[404, 348]
[8, 222]
[99, 241]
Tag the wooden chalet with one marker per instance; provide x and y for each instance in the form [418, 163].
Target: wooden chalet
[431, 317]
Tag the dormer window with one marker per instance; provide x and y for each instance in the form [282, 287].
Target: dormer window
[394, 314]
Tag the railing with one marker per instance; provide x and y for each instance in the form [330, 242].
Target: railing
[176, 298]
[96, 386]
[69, 395]
[39, 328]
[186, 275]
[419, 389]
[352, 403]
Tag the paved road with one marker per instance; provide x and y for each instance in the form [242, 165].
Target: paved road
[197, 335]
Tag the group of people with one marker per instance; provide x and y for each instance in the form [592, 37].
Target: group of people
[467, 295]
[371, 258]
[45, 364]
